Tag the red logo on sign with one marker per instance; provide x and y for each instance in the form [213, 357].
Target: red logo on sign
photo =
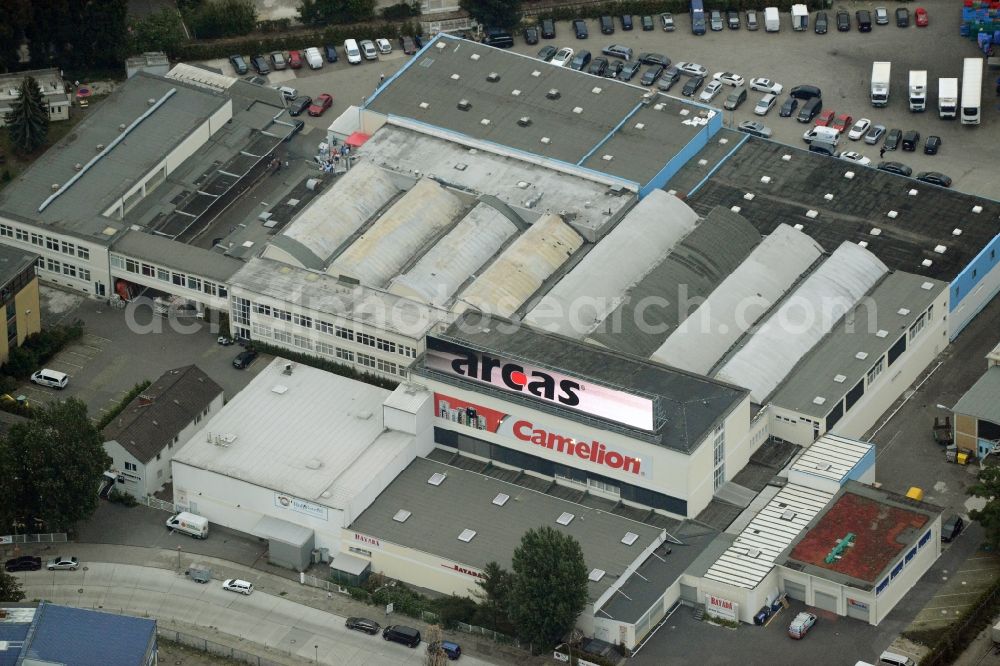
[463, 570]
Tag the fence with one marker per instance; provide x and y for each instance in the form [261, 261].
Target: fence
[56, 537]
[155, 503]
[496, 637]
[957, 636]
[214, 648]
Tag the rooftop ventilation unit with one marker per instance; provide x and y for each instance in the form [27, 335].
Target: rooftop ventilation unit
[902, 312]
[501, 499]
[467, 535]
[492, 77]
[280, 389]
[819, 400]
[401, 516]
[464, 105]
[940, 249]
[437, 478]
[524, 121]
[596, 575]
[753, 553]
[424, 105]
[553, 93]
[566, 518]
[630, 538]
[788, 515]
[840, 379]
[927, 286]
[861, 356]
[881, 333]
[824, 466]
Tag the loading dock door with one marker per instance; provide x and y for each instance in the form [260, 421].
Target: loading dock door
[795, 590]
[826, 601]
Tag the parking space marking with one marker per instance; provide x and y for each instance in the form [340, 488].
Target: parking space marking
[62, 362]
[76, 353]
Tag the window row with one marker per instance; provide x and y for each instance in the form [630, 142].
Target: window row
[177, 279]
[48, 242]
[338, 331]
[326, 349]
[60, 268]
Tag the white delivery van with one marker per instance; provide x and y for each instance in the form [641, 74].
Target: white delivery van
[352, 51]
[314, 58]
[823, 134]
[892, 659]
[51, 378]
[771, 23]
[189, 523]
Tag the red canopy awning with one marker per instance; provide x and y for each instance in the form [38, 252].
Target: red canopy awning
[356, 139]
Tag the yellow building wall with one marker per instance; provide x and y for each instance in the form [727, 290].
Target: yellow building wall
[27, 316]
[965, 432]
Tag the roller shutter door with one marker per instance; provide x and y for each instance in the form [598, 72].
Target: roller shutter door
[826, 601]
[795, 590]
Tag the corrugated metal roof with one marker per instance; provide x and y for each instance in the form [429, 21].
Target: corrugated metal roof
[740, 301]
[522, 268]
[340, 211]
[463, 251]
[804, 317]
[638, 243]
[752, 555]
[403, 230]
[200, 76]
[831, 457]
[84, 637]
[983, 399]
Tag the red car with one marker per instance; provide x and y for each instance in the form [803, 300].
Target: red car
[320, 104]
[294, 59]
[824, 119]
[842, 122]
[921, 17]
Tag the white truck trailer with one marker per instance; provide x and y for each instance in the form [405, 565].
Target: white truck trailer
[947, 98]
[881, 72]
[918, 89]
[800, 17]
[771, 22]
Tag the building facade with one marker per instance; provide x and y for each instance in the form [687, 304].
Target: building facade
[19, 299]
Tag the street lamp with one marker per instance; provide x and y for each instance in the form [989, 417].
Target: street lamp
[317, 653]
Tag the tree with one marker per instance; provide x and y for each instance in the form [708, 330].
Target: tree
[104, 33]
[160, 31]
[988, 488]
[550, 586]
[28, 119]
[225, 18]
[53, 465]
[495, 590]
[504, 14]
[10, 590]
[320, 12]
[434, 657]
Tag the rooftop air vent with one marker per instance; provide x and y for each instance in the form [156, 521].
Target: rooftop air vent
[492, 77]
[927, 286]
[926, 263]
[578, 110]
[840, 379]
[596, 90]
[437, 478]
[280, 389]
[640, 126]
[150, 101]
[630, 538]
[902, 312]
[596, 575]
[524, 121]
[819, 400]
[788, 515]
[861, 356]
[862, 244]
[424, 105]
[823, 466]
[464, 105]
[881, 333]
[55, 187]
[956, 232]
[940, 249]
[892, 214]
[515, 92]
[875, 231]
[467, 535]
[484, 121]
[474, 56]
[121, 127]
[401, 516]
[566, 518]
[977, 209]
[753, 553]
[77, 166]
[553, 93]
[99, 146]
[455, 77]
[501, 499]
[545, 139]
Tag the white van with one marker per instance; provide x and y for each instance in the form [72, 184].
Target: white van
[189, 523]
[314, 58]
[828, 134]
[237, 585]
[288, 93]
[51, 378]
[352, 51]
[892, 659]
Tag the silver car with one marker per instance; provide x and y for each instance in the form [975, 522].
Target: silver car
[60, 562]
[710, 91]
[875, 134]
[691, 68]
[765, 104]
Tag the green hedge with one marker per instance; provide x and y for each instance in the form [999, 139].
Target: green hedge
[640, 7]
[325, 364]
[133, 393]
[38, 348]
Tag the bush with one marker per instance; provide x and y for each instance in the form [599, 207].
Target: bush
[38, 348]
[125, 499]
[110, 415]
[325, 364]
[453, 610]
[403, 599]
[359, 594]
[401, 10]
[640, 7]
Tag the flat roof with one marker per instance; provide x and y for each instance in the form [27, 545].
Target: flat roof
[13, 262]
[831, 457]
[691, 404]
[884, 524]
[843, 358]
[78, 210]
[84, 637]
[270, 435]
[983, 399]
[465, 500]
[589, 117]
[858, 205]
[187, 258]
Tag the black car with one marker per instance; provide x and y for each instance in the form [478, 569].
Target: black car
[864, 18]
[903, 17]
[239, 64]
[547, 52]
[843, 21]
[952, 527]
[331, 51]
[896, 168]
[733, 19]
[614, 69]
[935, 178]
[363, 624]
[23, 563]
[654, 59]
[626, 21]
[531, 35]
[256, 80]
[298, 106]
[692, 85]
[668, 78]
[406, 43]
[598, 66]
[646, 21]
[821, 24]
[892, 138]
[805, 92]
[911, 139]
[580, 28]
[580, 60]
[259, 63]
[933, 145]
[244, 359]
[650, 76]
[548, 29]
[788, 108]
[607, 25]
[629, 69]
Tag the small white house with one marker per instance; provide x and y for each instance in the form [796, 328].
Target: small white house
[142, 439]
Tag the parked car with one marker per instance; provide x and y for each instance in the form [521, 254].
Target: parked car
[667, 21]
[239, 64]
[788, 108]
[810, 109]
[383, 45]
[614, 69]
[668, 78]
[562, 57]
[711, 90]
[903, 17]
[451, 650]
[765, 104]
[752, 23]
[864, 18]
[825, 119]
[935, 178]
[729, 79]
[51, 378]
[875, 134]
[407, 45]
[368, 49]
[755, 128]
[952, 527]
[842, 122]
[733, 19]
[858, 130]
[629, 69]
[23, 563]
[256, 80]
[735, 98]
[646, 21]
[243, 587]
[691, 69]
[259, 64]
[295, 60]
[363, 624]
[62, 562]
[933, 145]
[299, 105]
[580, 60]
[331, 51]
[715, 20]
[279, 61]
[547, 52]
[618, 51]
[654, 59]
[650, 76]
[920, 17]
[881, 16]
[821, 24]
[766, 86]
[607, 25]
[843, 20]
[598, 66]
[580, 28]
[401, 634]
[245, 358]
[548, 29]
[692, 85]
[531, 34]
[852, 156]
[801, 625]
[892, 138]
[896, 168]
[626, 20]
[910, 141]
[805, 92]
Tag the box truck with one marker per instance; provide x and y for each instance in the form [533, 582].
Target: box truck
[880, 83]
[771, 19]
[947, 98]
[972, 90]
[314, 58]
[918, 89]
[189, 523]
[800, 17]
